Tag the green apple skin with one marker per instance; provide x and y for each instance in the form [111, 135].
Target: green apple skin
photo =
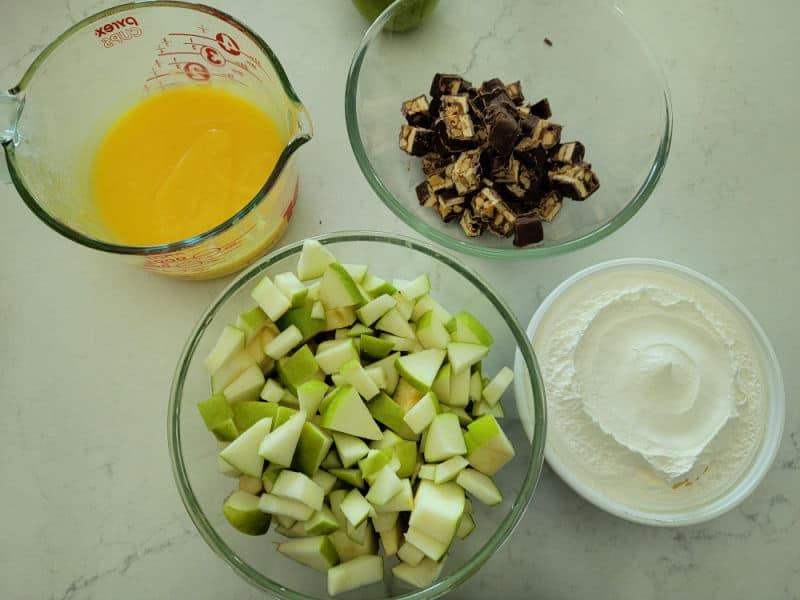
[375, 348]
[312, 448]
[218, 417]
[349, 476]
[488, 448]
[298, 368]
[409, 18]
[347, 413]
[301, 318]
[242, 512]
[390, 414]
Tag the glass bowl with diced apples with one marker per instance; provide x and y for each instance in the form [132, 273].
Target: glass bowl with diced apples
[509, 130]
[343, 421]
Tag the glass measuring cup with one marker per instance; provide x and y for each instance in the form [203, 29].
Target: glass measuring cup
[53, 120]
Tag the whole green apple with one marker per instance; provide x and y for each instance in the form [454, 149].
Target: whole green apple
[410, 16]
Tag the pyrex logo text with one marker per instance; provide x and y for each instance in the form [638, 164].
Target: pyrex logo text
[118, 24]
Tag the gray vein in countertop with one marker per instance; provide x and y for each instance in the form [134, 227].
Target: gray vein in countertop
[83, 583]
[793, 463]
[473, 53]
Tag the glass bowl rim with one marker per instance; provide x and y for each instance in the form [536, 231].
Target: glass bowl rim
[774, 416]
[467, 247]
[535, 459]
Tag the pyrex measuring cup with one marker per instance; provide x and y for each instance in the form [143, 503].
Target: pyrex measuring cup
[51, 122]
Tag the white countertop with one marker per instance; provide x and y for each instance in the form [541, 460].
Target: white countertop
[88, 344]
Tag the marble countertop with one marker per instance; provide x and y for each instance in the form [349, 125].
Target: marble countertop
[90, 509]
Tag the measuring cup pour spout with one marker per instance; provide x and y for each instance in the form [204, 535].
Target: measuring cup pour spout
[10, 110]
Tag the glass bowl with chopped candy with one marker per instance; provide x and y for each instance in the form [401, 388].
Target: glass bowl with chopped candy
[526, 129]
[344, 428]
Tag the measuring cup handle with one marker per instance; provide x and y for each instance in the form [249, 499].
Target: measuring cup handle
[10, 109]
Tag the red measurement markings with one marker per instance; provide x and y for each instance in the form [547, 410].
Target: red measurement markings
[196, 71]
[226, 43]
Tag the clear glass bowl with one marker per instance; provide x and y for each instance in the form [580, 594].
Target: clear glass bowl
[603, 84]
[193, 450]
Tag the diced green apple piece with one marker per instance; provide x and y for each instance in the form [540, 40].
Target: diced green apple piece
[246, 387]
[229, 371]
[272, 391]
[286, 523]
[422, 413]
[410, 554]
[426, 303]
[331, 355]
[385, 487]
[475, 386]
[384, 521]
[252, 322]
[482, 408]
[391, 540]
[337, 288]
[404, 501]
[441, 384]
[357, 272]
[354, 374]
[430, 546]
[389, 413]
[256, 347]
[312, 448]
[279, 444]
[388, 366]
[444, 439]
[299, 368]
[355, 508]
[416, 288]
[351, 449]
[463, 355]
[420, 368]
[250, 484]
[459, 388]
[297, 530]
[310, 394]
[431, 332]
[269, 476]
[242, 512]
[349, 476]
[470, 330]
[357, 534]
[218, 417]
[488, 448]
[336, 319]
[375, 309]
[375, 286]
[300, 487]
[348, 549]
[321, 522]
[357, 330]
[375, 348]
[422, 575]
[347, 413]
[318, 313]
[374, 461]
[406, 395]
[466, 526]
[449, 469]
[437, 510]
[242, 453]
[480, 486]
[292, 288]
[498, 385]
[463, 416]
[427, 472]
[314, 259]
[278, 505]
[331, 461]
[283, 343]
[301, 317]
[404, 306]
[271, 300]
[325, 480]
[402, 344]
[356, 573]
[406, 453]
[230, 342]
[378, 376]
[245, 414]
[392, 322]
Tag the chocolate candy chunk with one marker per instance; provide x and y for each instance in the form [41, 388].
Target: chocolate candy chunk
[527, 230]
[472, 226]
[416, 141]
[417, 111]
[490, 85]
[541, 109]
[547, 207]
[467, 172]
[576, 181]
[569, 152]
[539, 132]
[503, 222]
[514, 91]
[433, 163]
[426, 195]
[454, 125]
[489, 207]
[507, 171]
[441, 180]
[448, 84]
[450, 208]
[502, 127]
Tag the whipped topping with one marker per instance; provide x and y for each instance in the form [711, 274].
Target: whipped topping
[652, 383]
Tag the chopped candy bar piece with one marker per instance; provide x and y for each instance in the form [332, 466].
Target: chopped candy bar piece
[548, 206]
[446, 84]
[514, 91]
[416, 141]
[576, 181]
[440, 181]
[569, 152]
[450, 208]
[417, 111]
[472, 226]
[467, 172]
[503, 222]
[541, 109]
[432, 163]
[540, 132]
[456, 104]
[502, 126]
[507, 171]
[426, 195]
[527, 230]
